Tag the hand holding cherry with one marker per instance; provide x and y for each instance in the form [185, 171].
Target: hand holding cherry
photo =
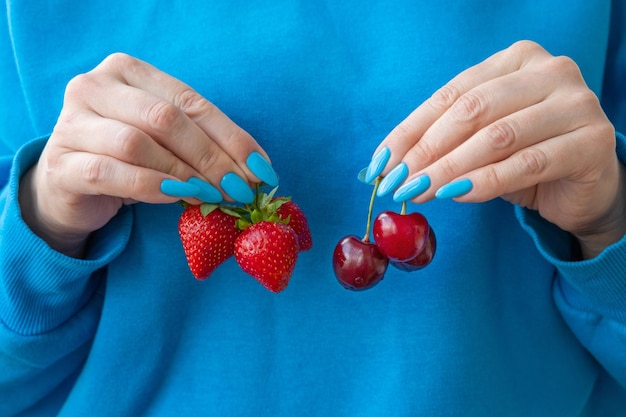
[406, 241]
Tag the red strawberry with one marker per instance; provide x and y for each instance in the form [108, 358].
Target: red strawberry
[268, 251]
[298, 222]
[208, 236]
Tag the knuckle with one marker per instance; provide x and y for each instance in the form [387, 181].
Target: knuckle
[191, 102]
[606, 135]
[445, 97]
[423, 153]
[469, 107]
[93, 170]
[175, 167]
[525, 47]
[492, 178]
[135, 184]
[449, 167]
[51, 161]
[80, 86]
[208, 160]
[601, 139]
[66, 118]
[161, 115]
[532, 162]
[501, 134]
[583, 99]
[118, 61]
[237, 136]
[128, 143]
[563, 66]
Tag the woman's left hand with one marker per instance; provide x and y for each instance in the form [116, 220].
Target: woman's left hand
[521, 125]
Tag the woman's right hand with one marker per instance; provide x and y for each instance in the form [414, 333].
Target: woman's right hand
[127, 133]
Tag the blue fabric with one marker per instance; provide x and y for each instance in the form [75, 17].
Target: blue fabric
[501, 323]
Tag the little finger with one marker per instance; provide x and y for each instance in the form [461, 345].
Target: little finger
[559, 158]
[101, 175]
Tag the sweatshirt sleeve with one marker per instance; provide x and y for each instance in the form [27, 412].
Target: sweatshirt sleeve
[49, 303]
[590, 294]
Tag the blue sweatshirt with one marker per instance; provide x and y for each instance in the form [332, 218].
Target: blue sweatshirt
[502, 323]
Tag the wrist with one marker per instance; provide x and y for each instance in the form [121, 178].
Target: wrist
[592, 246]
[612, 229]
[68, 243]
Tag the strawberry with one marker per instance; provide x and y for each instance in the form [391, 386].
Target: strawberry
[268, 251]
[298, 222]
[208, 236]
[265, 236]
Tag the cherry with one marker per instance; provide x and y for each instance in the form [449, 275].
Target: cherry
[358, 264]
[399, 236]
[424, 258]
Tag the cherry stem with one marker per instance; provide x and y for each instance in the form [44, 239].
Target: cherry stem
[403, 211]
[366, 238]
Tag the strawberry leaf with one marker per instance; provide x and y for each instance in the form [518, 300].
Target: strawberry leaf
[207, 208]
[264, 200]
[233, 211]
[257, 216]
[242, 224]
[272, 193]
[275, 205]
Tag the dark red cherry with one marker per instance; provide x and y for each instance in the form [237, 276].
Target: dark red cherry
[400, 237]
[424, 258]
[358, 264]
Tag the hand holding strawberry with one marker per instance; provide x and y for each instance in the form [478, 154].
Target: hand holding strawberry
[265, 237]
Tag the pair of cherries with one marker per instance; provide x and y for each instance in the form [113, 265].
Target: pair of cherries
[406, 241]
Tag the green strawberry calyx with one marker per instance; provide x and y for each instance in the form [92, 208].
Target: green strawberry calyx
[264, 208]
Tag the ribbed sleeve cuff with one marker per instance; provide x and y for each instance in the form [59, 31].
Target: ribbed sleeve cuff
[598, 284]
[40, 288]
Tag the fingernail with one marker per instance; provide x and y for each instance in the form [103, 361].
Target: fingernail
[454, 189]
[237, 188]
[361, 176]
[178, 189]
[393, 179]
[262, 169]
[377, 164]
[412, 189]
[206, 192]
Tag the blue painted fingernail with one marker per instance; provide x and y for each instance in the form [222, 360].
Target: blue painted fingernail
[236, 188]
[207, 193]
[393, 179]
[412, 189]
[361, 176]
[262, 169]
[377, 164]
[178, 189]
[454, 189]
